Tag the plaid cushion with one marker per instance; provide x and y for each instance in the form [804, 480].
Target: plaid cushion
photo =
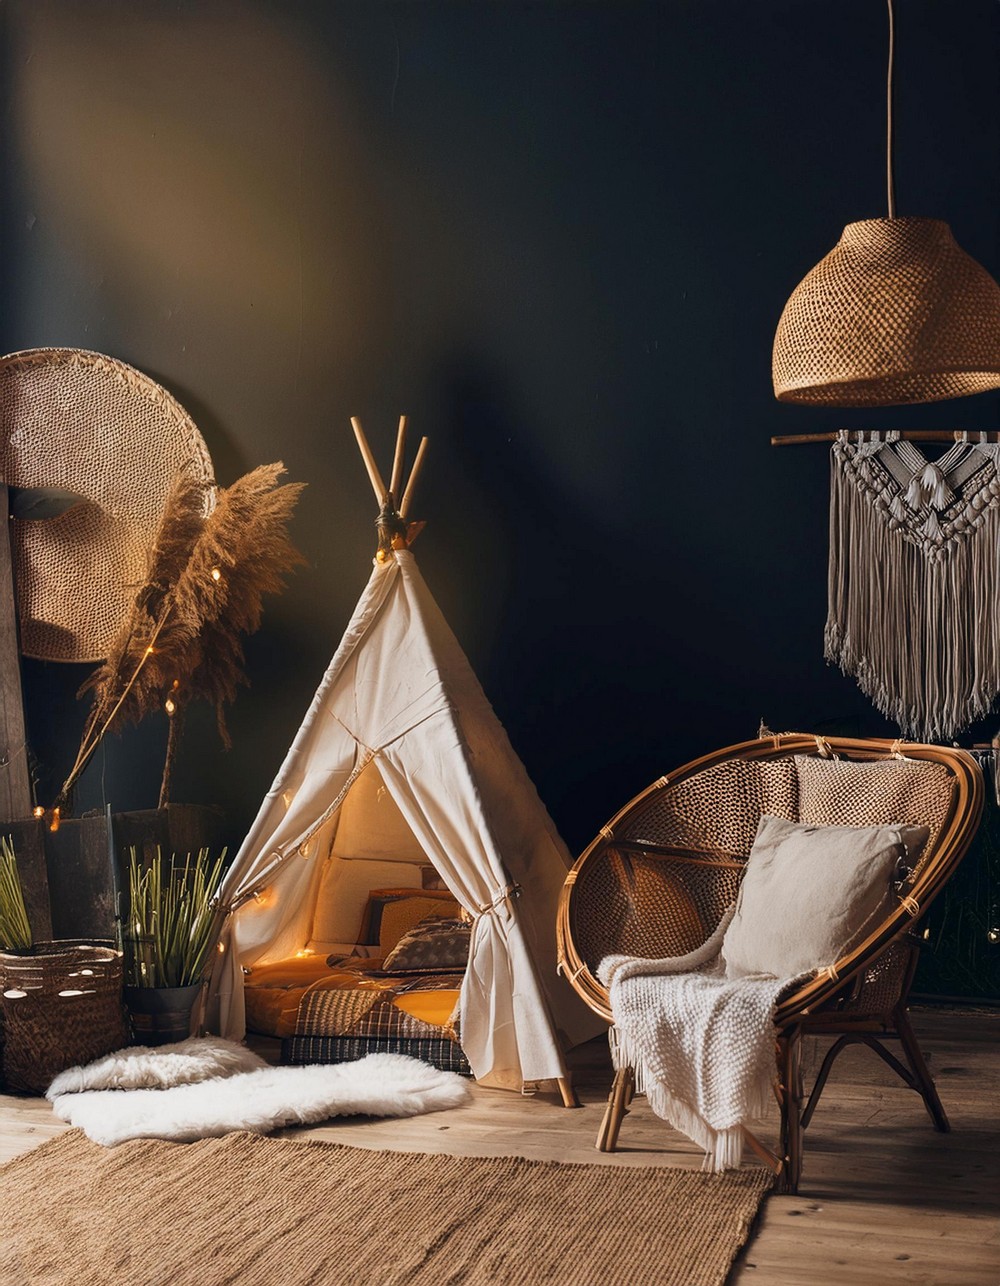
[439, 1052]
[370, 1011]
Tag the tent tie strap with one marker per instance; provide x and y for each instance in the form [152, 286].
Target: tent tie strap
[503, 898]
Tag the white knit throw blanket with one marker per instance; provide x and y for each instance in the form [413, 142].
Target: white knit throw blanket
[701, 1044]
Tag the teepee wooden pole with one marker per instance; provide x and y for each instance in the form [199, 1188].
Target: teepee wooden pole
[404, 508]
[378, 486]
[397, 463]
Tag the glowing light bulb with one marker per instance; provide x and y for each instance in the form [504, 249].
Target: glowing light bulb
[169, 706]
[38, 812]
[216, 574]
[994, 934]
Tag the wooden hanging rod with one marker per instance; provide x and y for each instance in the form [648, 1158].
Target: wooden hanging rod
[910, 435]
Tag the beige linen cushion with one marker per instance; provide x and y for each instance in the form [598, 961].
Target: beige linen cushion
[812, 893]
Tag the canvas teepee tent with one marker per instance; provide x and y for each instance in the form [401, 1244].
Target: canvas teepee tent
[400, 713]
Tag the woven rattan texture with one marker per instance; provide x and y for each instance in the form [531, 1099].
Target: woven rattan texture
[718, 808]
[59, 1006]
[844, 792]
[93, 425]
[633, 903]
[882, 985]
[897, 312]
[639, 905]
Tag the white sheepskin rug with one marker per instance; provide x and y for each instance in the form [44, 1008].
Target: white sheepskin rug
[145, 1067]
[269, 1098]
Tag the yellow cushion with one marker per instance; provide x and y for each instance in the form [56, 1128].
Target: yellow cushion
[434, 1007]
[400, 916]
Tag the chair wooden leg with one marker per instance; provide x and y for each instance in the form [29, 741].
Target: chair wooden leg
[824, 1072]
[618, 1101]
[790, 1088]
[924, 1082]
[771, 1161]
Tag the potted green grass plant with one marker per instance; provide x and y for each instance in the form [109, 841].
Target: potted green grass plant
[169, 929]
[15, 931]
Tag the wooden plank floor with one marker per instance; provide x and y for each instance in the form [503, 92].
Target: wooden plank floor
[884, 1198]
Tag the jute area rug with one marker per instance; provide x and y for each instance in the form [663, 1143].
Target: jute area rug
[279, 1212]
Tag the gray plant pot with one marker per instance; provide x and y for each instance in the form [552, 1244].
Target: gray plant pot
[161, 1015]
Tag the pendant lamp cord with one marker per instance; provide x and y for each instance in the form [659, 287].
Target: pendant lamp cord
[890, 186]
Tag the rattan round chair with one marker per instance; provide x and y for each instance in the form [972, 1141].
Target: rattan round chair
[657, 879]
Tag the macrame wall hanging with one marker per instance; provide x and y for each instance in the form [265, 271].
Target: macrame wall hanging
[914, 578]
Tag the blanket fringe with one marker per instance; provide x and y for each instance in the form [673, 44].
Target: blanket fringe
[723, 1148]
[629, 1040]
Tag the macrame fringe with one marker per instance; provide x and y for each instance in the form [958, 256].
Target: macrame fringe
[919, 628]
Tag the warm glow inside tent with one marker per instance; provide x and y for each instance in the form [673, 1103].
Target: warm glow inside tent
[400, 764]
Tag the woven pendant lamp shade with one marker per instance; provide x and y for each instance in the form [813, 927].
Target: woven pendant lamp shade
[896, 313]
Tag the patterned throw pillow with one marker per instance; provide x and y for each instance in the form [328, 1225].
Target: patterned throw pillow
[434, 945]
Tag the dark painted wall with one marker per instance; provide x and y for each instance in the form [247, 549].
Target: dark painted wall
[558, 236]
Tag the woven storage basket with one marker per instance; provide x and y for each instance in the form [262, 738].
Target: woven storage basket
[60, 1005]
[896, 313]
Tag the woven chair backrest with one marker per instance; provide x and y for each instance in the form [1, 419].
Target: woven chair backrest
[658, 877]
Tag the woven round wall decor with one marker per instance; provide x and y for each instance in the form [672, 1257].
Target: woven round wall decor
[91, 424]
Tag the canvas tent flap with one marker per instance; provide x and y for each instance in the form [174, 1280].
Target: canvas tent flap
[400, 688]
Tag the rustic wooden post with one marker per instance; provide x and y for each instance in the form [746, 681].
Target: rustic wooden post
[15, 780]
